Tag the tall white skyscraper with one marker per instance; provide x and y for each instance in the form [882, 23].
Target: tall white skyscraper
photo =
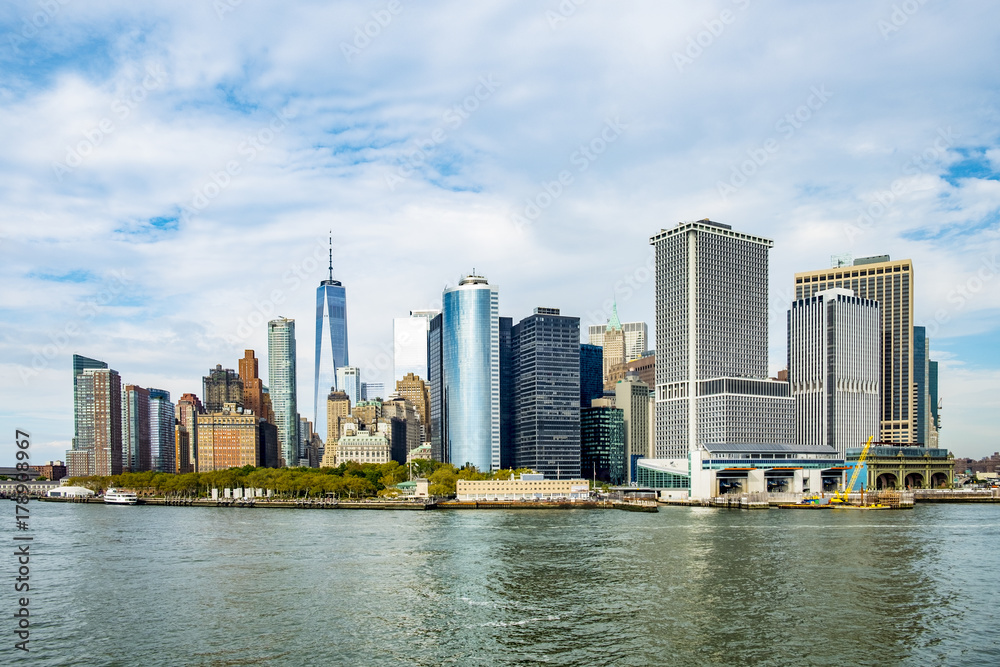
[834, 368]
[349, 381]
[282, 388]
[409, 338]
[636, 338]
[711, 342]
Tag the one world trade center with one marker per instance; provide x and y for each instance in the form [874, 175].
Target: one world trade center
[331, 343]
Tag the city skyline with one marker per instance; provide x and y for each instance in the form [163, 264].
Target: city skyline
[187, 192]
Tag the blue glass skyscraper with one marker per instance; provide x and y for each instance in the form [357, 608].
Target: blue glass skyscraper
[331, 342]
[470, 363]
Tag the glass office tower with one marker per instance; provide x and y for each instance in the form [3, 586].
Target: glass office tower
[331, 343]
[470, 361]
[281, 383]
[161, 431]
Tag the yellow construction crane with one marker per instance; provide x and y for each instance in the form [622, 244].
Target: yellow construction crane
[841, 497]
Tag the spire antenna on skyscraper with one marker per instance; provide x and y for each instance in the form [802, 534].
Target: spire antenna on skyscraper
[331, 254]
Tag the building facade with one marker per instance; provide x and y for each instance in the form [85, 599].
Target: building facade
[349, 382]
[365, 446]
[834, 368]
[546, 364]
[137, 453]
[221, 386]
[613, 347]
[415, 390]
[409, 344]
[228, 439]
[331, 342]
[188, 408]
[632, 398]
[602, 444]
[891, 284]
[528, 487]
[591, 373]
[470, 373]
[711, 342]
[282, 386]
[636, 337]
[253, 386]
[162, 439]
[99, 405]
[80, 364]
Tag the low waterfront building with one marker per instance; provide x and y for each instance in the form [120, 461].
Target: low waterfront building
[670, 477]
[417, 488]
[364, 447]
[718, 469]
[891, 466]
[69, 492]
[12, 487]
[528, 487]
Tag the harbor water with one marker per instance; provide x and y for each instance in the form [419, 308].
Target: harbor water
[686, 586]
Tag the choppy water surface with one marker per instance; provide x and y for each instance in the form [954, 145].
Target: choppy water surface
[192, 586]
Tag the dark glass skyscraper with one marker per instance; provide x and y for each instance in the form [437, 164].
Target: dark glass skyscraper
[591, 373]
[921, 347]
[546, 362]
[435, 386]
[602, 444]
[331, 342]
[506, 393]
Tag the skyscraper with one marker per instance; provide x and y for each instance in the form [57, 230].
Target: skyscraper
[834, 368]
[80, 364]
[281, 383]
[162, 440]
[136, 451]
[415, 390]
[221, 386]
[409, 343]
[506, 392]
[711, 342]
[99, 406]
[435, 386]
[470, 361]
[602, 443]
[372, 390]
[546, 361]
[331, 342]
[632, 398]
[188, 408]
[349, 381]
[613, 346]
[253, 386]
[338, 407]
[591, 373]
[891, 284]
[636, 337]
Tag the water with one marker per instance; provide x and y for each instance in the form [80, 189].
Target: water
[687, 586]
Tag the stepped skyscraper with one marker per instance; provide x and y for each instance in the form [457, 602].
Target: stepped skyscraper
[331, 342]
[712, 385]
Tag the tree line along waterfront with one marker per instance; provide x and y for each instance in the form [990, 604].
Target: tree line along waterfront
[348, 480]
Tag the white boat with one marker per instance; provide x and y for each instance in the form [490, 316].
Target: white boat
[116, 497]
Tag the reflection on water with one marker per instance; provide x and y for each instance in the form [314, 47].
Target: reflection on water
[165, 585]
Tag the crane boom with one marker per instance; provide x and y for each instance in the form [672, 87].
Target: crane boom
[857, 467]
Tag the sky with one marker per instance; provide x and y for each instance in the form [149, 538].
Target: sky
[171, 172]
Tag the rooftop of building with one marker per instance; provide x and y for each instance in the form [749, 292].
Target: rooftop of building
[711, 226]
[749, 448]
